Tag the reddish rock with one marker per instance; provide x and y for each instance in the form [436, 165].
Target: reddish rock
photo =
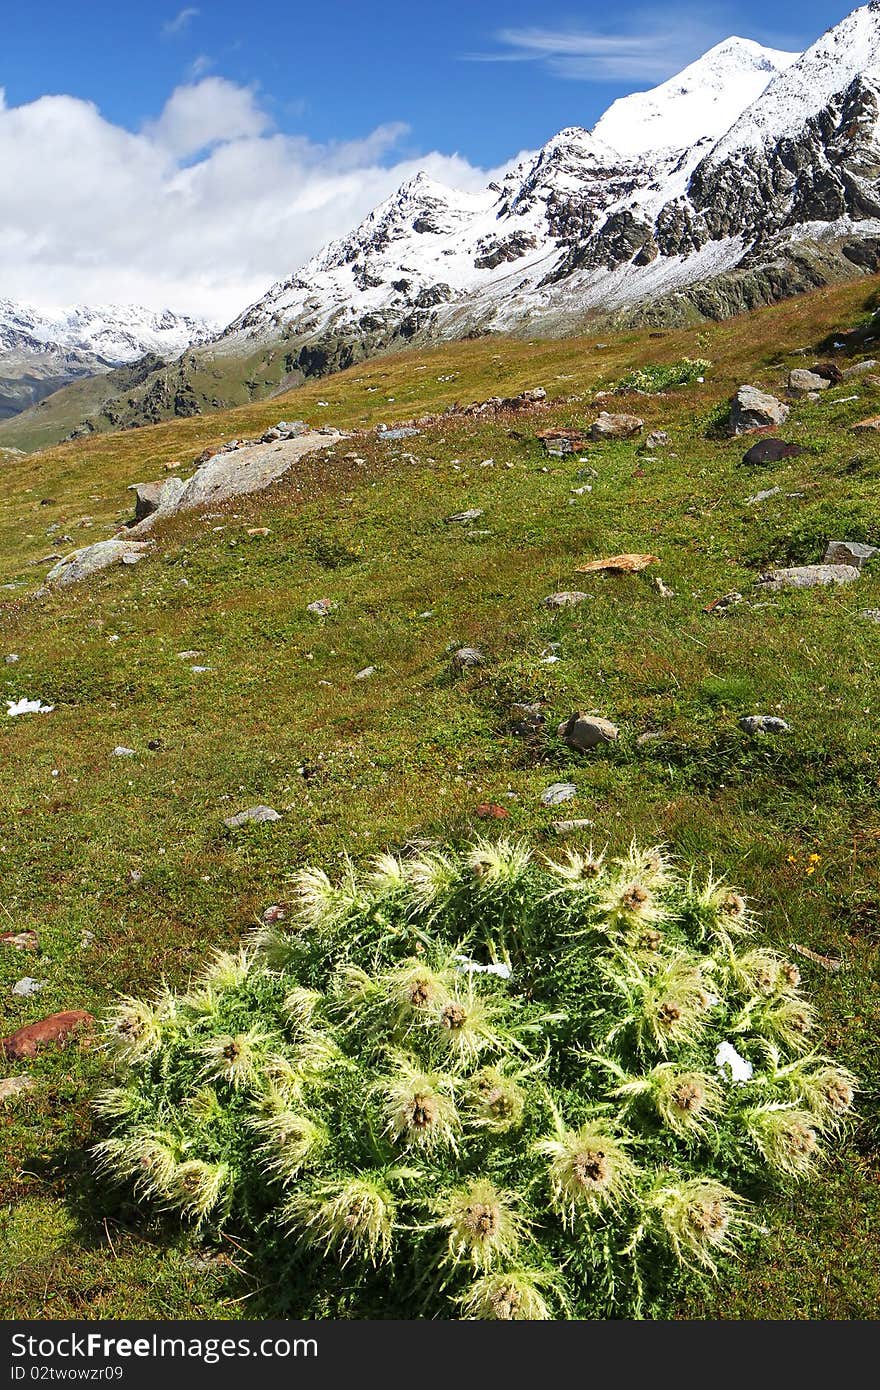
[20, 940]
[27, 1041]
[869, 426]
[490, 811]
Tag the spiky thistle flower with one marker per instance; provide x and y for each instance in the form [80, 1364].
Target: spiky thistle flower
[388, 876]
[325, 906]
[419, 1106]
[782, 1019]
[135, 1029]
[299, 1006]
[720, 910]
[228, 969]
[500, 864]
[117, 1103]
[668, 1004]
[147, 1156]
[576, 871]
[650, 867]
[629, 905]
[686, 1101]
[233, 1058]
[828, 1091]
[469, 1023]
[353, 1217]
[493, 1101]
[763, 972]
[483, 1227]
[432, 880]
[589, 1169]
[197, 1187]
[204, 1106]
[511, 1296]
[701, 1218]
[289, 1142]
[785, 1135]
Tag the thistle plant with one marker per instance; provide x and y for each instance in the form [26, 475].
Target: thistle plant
[479, 1084]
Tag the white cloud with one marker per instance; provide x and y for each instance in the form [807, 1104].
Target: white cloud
[180, 22]
[644, 46]
[201, 210]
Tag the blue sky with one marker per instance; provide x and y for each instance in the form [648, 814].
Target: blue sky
[190, 154]
[336, 69]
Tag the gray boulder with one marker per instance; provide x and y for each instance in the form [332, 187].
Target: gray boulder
[257, 814]
[81, 564]
[808, 576]
[763, 724]
[850, 553]
[802, 382]
[467, 657]
[585, 731]
[568, 598]
[752, 409]
[616, 426]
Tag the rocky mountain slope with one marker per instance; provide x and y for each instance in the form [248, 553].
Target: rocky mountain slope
[42, 351]
[752, 175]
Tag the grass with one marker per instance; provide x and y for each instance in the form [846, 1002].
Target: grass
[123, 864]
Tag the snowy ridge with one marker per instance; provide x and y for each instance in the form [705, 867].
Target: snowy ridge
[114, 333]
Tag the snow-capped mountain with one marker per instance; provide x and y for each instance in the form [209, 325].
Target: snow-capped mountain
[753, 164]
[41, 351]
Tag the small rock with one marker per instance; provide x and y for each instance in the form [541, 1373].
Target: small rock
[20, 940]
[28, 986]
[849, 553]
[120, 751]
[10, 658]
[829, 370]
[27, 1041]
[869, 426]
[663, 589]
[657, 439]
[189, 656]
[763, 496]
[649, 736]
[135, 877]
[616, 426]
[570, 827]
[802, 382]
[752, 409]
[321, 606]
[257, 814]
[568, 598]
[14, 1086]
[859, 368]
[872, 614]
[146, 498]
[763, 724]
[365, 674]
[558, 792]
[770, 451]
[585, 731]
[527, 714]
[258, 530]
[720, 605]
[401, 432]
[462, 518]
[489, 810]
[466, 657]
[807, 576]
[277, 912]
[81, 564]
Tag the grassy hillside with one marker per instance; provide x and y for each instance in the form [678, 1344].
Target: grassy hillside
[123, 865]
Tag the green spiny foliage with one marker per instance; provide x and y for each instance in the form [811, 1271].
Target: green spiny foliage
[478, 1084]
[653, 378]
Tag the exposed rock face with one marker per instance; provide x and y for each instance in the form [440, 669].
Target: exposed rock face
[585, 731]
[82, 564]
[57, 1028]
[808, 576]
[802, 382]
[755, 410]
[855, 553]
[616, 426]
[770, 451]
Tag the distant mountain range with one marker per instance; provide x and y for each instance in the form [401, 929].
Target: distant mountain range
[752, 175]
[41, 351]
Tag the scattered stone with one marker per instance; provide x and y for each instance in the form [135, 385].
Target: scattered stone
[869, 426]
[763, 724]
[401, 432]
[10, 658]
[720, 605]
[649, 736]
[619, 564]
[585, 731]
[807, 577]
[321, 606]
[559, 442]
[859, 368]
[14, 1086]
[25, 706]
[285, 429]
[81, 564]
[489, 810]
[57, 1028]
[752, 409]
[763, 496]
[770, 451]
[462, 518]
[657, 439]
[466, 657]
[827, 962]
[558, 792]
[527, 714]
[829, 370]
[257, 814]
[872, 614]
[277, 912]
[568, 598]
[135, 876]
[28, 986]
[365, 674]
[190, 656]
[20, 940]
[663, 589]
[258, 530]
[146, 498]
[120, 751]
[801, 382]
[570, 827]
[850, 553]
[616, 426]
